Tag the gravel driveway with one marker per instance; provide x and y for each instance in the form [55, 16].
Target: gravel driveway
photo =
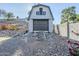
[35, 44]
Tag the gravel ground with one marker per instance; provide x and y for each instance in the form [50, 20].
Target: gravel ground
[35, 44]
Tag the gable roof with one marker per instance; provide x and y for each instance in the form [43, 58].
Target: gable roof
[37, 6]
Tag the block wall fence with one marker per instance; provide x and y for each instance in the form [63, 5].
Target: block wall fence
[70, 30]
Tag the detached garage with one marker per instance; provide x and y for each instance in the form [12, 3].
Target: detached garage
[40, 19]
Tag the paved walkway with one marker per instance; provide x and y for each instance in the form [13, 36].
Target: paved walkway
[35, 44]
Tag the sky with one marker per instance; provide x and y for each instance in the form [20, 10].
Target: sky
[22, 9]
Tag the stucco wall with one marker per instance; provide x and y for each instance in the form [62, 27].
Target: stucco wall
[62, 30]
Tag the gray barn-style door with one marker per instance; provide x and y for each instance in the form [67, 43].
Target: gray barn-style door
[40, 25]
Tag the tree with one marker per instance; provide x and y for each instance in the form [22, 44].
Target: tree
[77, 16]
[9, 16]
[17, 17]
[68, 15]
[6, 15]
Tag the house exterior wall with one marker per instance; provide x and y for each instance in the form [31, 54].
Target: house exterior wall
[34, 16]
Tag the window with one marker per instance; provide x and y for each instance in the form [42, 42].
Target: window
[44, 13]
[41, 10]
[37, 13]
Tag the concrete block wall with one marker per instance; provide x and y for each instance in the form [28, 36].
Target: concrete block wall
[75, 28]
[62, 30]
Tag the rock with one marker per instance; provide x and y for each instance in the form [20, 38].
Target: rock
[36, 44]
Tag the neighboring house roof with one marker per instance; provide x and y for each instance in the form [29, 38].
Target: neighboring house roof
[40, 5]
